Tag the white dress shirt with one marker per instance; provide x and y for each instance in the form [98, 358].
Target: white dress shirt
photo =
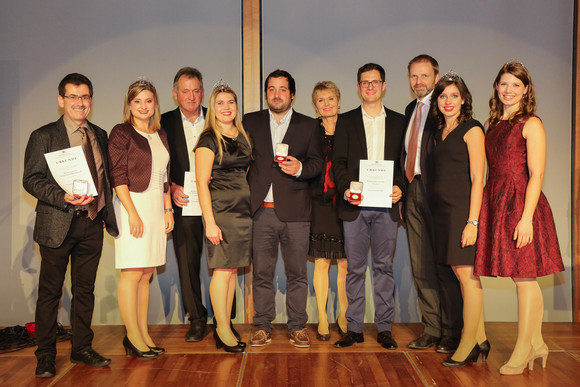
[192, 132]
[375, 134]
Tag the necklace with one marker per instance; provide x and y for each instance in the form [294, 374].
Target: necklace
[446, 130]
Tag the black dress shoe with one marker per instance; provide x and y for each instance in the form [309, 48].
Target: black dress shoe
[447, 344]
[386, 340]
[45, 367]
[235, 349]
[235, 332]
[349, 339]
[472, 357]
[424, 341]
[157, 350]
[90, 357]
[130, 348]
[216, 338]
[195, 333]
[321, 337]
[485, 347]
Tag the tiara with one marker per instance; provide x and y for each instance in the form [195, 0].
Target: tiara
[142, 81]
[450, 76]
[220, 86]
[513, 62]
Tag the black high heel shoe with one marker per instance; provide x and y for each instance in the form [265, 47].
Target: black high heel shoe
[484, 347]
[157, 350]
[130, 348]
[220, 344]
[472, 357]
[216, 337]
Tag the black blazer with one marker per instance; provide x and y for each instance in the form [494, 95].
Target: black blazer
[53, 214]
[173, 125]
[291, 194]
[350, 147]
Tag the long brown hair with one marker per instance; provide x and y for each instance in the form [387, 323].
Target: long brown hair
[528, 102]
[212, 125]
[134, 89]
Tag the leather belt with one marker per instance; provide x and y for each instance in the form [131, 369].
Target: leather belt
[80, 213]
[268, 204]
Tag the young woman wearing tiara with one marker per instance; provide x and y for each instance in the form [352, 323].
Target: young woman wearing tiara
[456, 192]
[222, 157]
[139, 162]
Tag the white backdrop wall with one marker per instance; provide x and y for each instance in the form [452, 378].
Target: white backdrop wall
[115, 42]
[330, 40]
[112, 43]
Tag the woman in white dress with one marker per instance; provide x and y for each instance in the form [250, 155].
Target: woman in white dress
[139, 159]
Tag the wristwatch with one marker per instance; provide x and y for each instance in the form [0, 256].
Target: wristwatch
[169, 210]
[474, 222]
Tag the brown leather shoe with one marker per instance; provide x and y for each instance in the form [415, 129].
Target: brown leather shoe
[300, 338]
[260, 338]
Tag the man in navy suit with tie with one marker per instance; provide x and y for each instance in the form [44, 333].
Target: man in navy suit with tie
[438, 290]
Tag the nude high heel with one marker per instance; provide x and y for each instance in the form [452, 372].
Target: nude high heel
[507, 369]
[542, 352]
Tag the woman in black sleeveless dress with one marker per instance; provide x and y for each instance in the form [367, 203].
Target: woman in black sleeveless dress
[222, 157]
[456, 194]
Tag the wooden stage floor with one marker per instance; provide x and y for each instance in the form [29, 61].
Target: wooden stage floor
[281, 364]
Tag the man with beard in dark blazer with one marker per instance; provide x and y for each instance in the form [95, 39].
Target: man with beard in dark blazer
[280, 205]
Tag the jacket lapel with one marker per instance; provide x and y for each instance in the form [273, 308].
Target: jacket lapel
[360, 134]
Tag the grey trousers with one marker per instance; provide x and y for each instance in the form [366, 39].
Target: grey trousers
[376, 229]
[293, 239]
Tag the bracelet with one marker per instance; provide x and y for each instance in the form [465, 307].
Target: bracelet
[474, 222]
[169, 210]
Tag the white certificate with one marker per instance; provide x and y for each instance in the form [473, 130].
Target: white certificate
[377, 178]
[68, 165]
[192, 208]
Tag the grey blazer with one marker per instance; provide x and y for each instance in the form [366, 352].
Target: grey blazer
[53, 214]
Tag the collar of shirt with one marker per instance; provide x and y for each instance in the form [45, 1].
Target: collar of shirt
[284, 121]
[426, 99]
[71, 127]
[200, 118]
[365, 115]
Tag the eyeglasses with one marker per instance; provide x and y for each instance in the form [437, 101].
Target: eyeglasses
[375, 83]
[76, 98]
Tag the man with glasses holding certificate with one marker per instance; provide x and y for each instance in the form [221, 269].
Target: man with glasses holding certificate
[372, 134]
[69, 224]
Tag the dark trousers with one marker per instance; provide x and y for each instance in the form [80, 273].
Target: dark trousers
[188, 243]
[83, 244]
[377, 230]
[293, 238]
[438, 290]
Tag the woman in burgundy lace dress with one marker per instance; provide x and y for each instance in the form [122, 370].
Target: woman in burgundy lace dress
[517, 236]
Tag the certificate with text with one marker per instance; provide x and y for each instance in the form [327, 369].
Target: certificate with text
[68, 165]
[377, 179]
[192, 208]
